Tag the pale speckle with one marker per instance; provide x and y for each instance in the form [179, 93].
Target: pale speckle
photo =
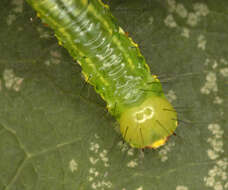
[218, 100]
[130, 152]
[171, 96]
[226, 186]
[216, 130]
[170, 22]
[73, 165]
[123, 146]
[10, 19]
[218, 186]
[181, 10]
[90, 178]
[224, 72]
[215, 65]
[43, 33]
[8, 76]
[181, 187]
[11, 81]
[172, 5]
[17, 85]
[19, 6]
[104, 158]
[185, 32]
[55, 57]
[100, 161]
[18, 9]
[207, 61]
[192, 19]
[47, 62]
[55, 54]
[202, 42]
[94, 147]
[217, 175]
[223, 61]
[140, 188]
[92, 170]
[209, 181]
[212, 154]
[132, 163]
[96, 136]
[151, 20]
[163, 152]
[94, 185]
[201, 9]
[93, 160]
[101, 184]
[210, 85]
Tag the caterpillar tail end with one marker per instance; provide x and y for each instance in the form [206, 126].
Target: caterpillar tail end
[150, 124]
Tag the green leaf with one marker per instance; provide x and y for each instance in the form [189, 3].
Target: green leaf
[55, 132]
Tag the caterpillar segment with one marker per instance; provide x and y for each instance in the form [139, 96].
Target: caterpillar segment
[113, 64]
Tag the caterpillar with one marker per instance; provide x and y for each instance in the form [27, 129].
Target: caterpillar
[113, 64]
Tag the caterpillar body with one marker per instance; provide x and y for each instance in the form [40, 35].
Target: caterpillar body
[113, 64]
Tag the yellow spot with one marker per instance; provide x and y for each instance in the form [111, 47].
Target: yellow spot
[121, 31]
[133, 43]
[158, 143]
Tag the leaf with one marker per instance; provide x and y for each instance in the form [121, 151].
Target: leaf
[55, 132]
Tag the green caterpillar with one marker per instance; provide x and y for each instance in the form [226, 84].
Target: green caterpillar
[113, 64]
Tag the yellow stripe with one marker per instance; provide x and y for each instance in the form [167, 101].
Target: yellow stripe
[116, 41]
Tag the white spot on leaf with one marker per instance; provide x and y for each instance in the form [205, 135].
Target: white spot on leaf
[73, 165]
[181, 11]
[201, 9]
[193, 19]
[140, 188]
[130, 152]
[218, 100]
[165, 150]
[172, 5]
[99, 159]
[224, 72]
[202, 42]
[93, 160]
[10, 19]
[210, 85]
[132, 163]
[170, 22]
[171, 96]
[185, 32]
[18, 6]
[181, 187]
[217, 175]
[11, 81]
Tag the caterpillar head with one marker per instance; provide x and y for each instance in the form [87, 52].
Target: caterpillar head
[150, 124]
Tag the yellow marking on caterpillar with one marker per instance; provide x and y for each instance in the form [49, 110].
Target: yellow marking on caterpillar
[90, 63]
[132, 42]
[93, 11]
[158, 143]
[103, 4]
[117, 42]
